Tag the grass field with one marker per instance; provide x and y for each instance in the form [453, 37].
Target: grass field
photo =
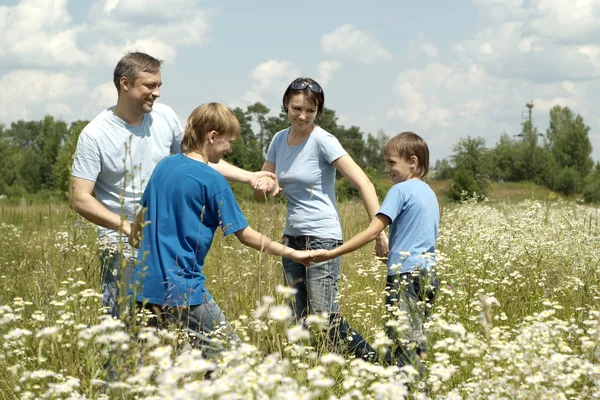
[517, 316]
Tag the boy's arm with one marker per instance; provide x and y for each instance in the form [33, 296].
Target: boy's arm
[377, 225]
[236, 174]
[260, 242]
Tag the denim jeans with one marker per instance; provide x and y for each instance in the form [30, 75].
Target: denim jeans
[317, 292]
[115, 277]
[205, 324]
[409, 302]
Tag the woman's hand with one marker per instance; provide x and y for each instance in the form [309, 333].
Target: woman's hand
[266, 186]
[381, 245]
[302, 257]
[321, 255]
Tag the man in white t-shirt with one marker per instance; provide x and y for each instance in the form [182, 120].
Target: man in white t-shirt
[116, 154]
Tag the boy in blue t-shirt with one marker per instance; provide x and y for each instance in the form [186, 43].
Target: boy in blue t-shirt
[184, 202]
[411, 209]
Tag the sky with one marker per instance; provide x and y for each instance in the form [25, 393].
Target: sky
[443, 69]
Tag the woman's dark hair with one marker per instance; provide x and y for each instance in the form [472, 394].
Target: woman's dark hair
[311, 89]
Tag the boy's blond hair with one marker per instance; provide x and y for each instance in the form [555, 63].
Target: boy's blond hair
[408, 144]
[205, 118]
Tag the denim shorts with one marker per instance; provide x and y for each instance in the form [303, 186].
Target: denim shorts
[205, 324]
[317, 286]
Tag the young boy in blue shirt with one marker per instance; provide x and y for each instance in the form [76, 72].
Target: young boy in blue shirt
[411, 209]
[184, 202]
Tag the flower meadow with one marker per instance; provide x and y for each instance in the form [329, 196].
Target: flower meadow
[517, 316]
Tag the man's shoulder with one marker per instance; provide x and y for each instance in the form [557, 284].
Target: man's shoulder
[99, 123]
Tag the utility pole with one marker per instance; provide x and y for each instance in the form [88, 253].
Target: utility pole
[530, 106]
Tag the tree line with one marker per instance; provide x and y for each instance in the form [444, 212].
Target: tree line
[560, 159]
[36, 156]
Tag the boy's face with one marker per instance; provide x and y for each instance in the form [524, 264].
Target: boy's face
[221, 145]
[399, 168]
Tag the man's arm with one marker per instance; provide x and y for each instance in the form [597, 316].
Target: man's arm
[86, 205]
[235, 174]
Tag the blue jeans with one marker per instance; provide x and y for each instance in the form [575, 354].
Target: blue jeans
[115, 269]
[205, 324]
[317, 292]
[409, 300]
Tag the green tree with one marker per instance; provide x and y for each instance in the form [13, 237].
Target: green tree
[39, 142]
[471, 158]
[591, 190]
[64, 161]
[258, 112]
[373, 151]
[569, 141]
[245, 153]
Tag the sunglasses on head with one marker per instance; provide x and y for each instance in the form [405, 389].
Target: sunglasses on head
[301, 85]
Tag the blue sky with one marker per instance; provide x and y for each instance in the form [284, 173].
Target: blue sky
[444, 69]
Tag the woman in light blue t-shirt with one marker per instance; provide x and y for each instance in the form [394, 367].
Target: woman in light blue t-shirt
[305, 159]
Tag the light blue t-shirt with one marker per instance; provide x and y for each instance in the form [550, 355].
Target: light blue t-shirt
[413, 208]
[187, 200]
[308, 180]
[120, 157]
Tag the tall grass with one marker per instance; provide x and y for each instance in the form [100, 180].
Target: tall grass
[517, 315]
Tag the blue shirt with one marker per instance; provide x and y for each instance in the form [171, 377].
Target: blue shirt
[308, 180]
[187, 200]
[413, 208]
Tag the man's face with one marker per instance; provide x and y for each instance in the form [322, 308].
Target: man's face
[143, 90]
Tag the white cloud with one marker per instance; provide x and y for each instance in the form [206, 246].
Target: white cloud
[422, 45]
[110, 54]
[274, 74]
[353, 42]
[538, 40]
[325, 71]
[26, 93]
[39, 33]
[104, 95]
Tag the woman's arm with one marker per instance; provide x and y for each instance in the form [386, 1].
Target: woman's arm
[359, 180]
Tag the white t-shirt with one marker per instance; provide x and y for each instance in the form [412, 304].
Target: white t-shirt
[308, 180]
[120, 157]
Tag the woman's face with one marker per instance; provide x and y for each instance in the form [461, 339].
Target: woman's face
[301, 113]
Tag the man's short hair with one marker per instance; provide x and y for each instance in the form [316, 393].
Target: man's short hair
[205, 118]
[132, 64]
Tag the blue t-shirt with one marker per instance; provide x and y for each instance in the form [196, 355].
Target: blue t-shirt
[413, 208]
[187, 200]
[308, 180]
